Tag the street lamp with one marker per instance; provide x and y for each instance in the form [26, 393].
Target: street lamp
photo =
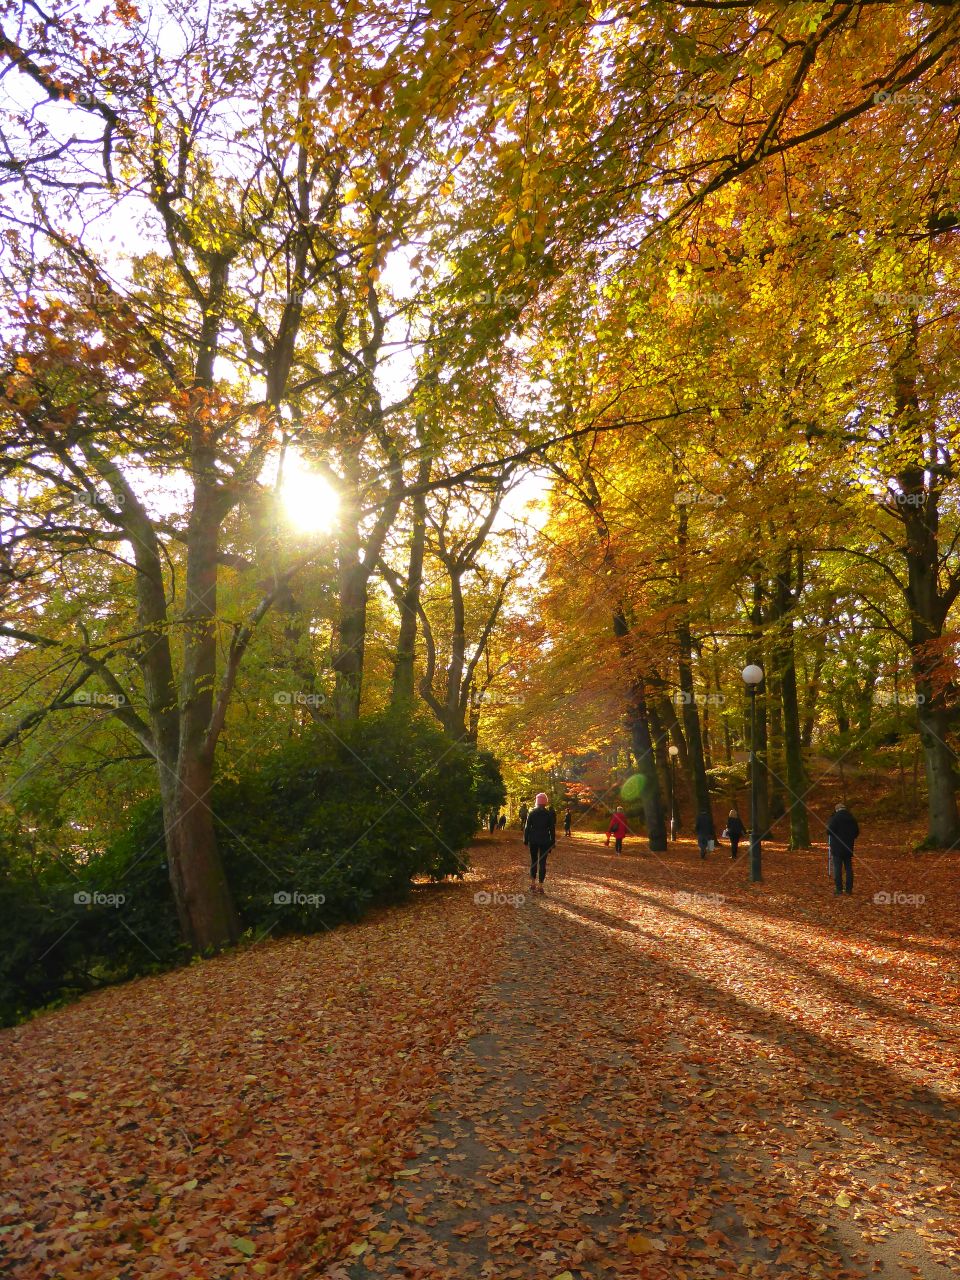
[673, 752]
[752, 678]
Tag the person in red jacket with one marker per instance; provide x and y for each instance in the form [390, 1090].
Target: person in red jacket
[618, 829]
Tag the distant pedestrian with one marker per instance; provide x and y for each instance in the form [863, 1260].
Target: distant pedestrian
[523, 816]
[492, 821]
[734, 832]
[842, 831]
[567, 822]
[502, 821]
[618, 829]
[703, 828]
[540, 835]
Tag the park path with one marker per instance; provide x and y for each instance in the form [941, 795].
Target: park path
[675, 1074]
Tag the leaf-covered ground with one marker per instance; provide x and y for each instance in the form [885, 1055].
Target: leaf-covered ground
[656, 1070]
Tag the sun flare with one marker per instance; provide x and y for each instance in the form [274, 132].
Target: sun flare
[308, 499]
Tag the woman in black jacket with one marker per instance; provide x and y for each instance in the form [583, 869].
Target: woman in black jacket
[735, 831]
[540, 834]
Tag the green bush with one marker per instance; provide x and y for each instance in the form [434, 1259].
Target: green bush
[350, 816]
[489, 789]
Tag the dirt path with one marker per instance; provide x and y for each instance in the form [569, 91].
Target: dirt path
[675, 1075]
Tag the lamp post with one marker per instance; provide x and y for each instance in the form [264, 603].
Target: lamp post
[752, 678]
[673, 752]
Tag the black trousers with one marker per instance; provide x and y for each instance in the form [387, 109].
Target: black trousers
[538, 860]
[734, 844]
[843, 868]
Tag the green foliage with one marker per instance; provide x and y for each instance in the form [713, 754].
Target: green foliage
[332, 822]
[489, 788]
[728, 779]
[68, 924]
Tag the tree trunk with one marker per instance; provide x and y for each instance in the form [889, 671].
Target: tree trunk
[691, 720]
[350, 629]
[865, 693]
[647, 768]
[929, 607]
[777, 804]
[718, 688]
[206, 909]
[403, 670]
[813, 687]
[454, 709]
[357, 557]
[760, 746]
[667, 713]
[784, 661]
[660, 739]
[938, 761]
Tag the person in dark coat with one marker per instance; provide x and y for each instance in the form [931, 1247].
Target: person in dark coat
[492, 821]
[567, 822]
[618, 829]
[502, 821]
[703, 829]
[842, 831]
[735, 831]
[523, 816]
[540, 835]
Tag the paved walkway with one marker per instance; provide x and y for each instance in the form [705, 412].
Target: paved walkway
[677, 1075]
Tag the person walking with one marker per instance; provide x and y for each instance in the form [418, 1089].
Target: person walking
[703, 828]
[618, 829]
[502, 821]
[540, 835]
[842, 831]
[567, 822]
[735, 831]
[492, 821]
[523, 816]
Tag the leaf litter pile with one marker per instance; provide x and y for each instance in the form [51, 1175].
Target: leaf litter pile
[656, 1070]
